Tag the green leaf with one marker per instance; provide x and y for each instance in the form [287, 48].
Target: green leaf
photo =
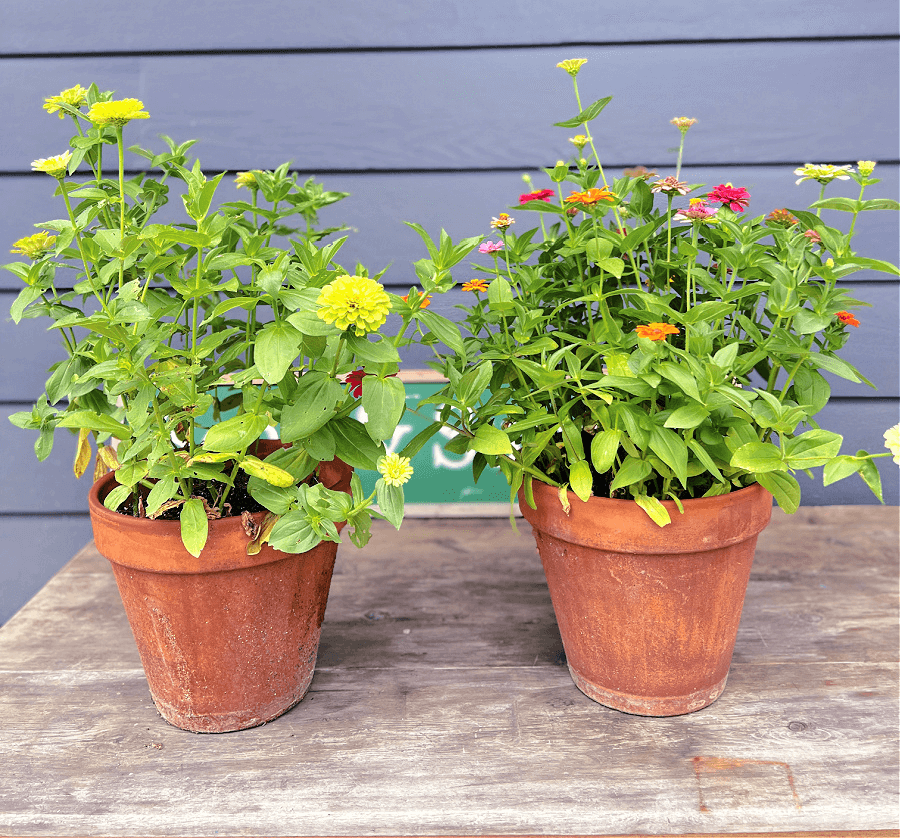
[24, 299]
[810, 389]
[633, 471]
[688, 416]
[390, 501]
[490, 440]
[164, 489]
[374, 352]
[833, 364]
[581, 479]
[117, 497]
[446, 331]
[277, 345]
[758, 457]
[194, 526]
[313, 404]
[99, 422]
[293, 533]
[353, 444]
[868, 471]
[604, 447]
[654, 508]
[671, 449]
[590, 112]
[235, 434]
[784, 487]
[839, 468]
[384, 401]
[813, 448]
[680, 377]
[266, 471]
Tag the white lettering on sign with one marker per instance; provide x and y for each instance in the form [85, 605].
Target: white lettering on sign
[440, 459]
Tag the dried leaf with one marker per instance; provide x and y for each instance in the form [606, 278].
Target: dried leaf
[265, 531]
[82, 453]
[250, 526]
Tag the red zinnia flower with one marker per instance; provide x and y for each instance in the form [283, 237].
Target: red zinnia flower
[540, 195]
[847, 318]
[735, 199]
[355, 380]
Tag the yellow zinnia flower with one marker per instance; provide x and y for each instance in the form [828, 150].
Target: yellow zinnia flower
[34, 246]
[892, 442]
[247, 179]
[355, 301]
[572, 65]
[395, 469]
[120, 112]
[54, 166]
[73, 96]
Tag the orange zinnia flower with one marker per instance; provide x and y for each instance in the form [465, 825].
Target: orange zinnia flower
[657, 331]
[475, 285]
[590, 197]
[424, 300]
[847, 318]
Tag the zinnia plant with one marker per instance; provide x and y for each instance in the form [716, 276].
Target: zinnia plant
[657, 340]
[168, 326]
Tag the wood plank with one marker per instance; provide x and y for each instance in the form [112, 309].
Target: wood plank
[204, 24]
[430, 719]
[393, 110]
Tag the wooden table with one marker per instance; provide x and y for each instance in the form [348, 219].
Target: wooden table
[442, 706]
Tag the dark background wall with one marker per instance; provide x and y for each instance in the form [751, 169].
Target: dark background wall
[431, 112]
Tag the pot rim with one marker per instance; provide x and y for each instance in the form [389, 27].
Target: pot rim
[101, 488]
[144, 544]
[621, 525]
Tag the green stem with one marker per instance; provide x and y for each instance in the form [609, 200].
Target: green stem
[121, 147]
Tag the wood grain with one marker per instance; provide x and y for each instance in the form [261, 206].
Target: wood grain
[442, 705]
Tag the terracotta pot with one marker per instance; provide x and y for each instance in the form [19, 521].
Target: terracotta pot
[228, 641]
[648, 615]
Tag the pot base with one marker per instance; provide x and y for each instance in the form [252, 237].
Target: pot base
[642, 705]
[184, 717]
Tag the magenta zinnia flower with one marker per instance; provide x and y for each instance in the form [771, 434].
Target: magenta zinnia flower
[540, 195]
[736, 199]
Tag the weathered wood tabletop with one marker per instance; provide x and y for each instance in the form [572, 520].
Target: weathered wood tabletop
[442, 705]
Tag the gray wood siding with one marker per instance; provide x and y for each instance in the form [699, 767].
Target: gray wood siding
[431, 112]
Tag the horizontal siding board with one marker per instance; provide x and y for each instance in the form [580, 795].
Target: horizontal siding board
[486, 109]
[463, 204]
[228, 24]
[34, 549]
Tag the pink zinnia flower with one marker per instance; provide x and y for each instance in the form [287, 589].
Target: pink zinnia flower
[697, 211]
[490, 247]
[540, 195]
[736, 199]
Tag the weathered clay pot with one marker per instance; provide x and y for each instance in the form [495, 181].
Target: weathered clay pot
[228, 641]
[648, 615]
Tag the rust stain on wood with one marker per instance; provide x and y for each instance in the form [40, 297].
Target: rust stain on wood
[730, 766]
